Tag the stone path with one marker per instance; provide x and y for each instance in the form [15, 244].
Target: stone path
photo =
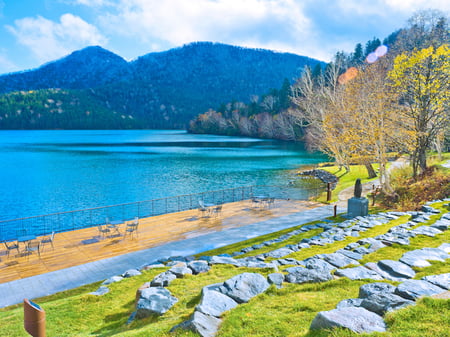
[46, 284]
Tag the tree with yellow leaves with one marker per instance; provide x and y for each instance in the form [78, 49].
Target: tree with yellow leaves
[421, 79]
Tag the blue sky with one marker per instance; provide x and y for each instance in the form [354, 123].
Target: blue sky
[33, 32]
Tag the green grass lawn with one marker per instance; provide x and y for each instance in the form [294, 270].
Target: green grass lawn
[278, 312]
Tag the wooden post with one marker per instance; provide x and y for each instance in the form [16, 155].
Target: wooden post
[329, 192]
[335, 210]
[34, 319]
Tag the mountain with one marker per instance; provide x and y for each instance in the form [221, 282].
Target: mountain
[164, 89]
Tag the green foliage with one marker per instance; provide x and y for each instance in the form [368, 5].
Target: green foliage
[59, 109]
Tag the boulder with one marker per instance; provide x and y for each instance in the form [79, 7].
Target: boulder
[426, 230]
[102, 290]
[413, 289]
[318, 264]
[356, 319]
[198, 267]
[358, 273]
[278, 253]
[384, 274]
[441, 225]
[276, 278]
[204, 325]
[152, 266]
[442, 280]
[245, 286]
[163, 279]
[420, 257]
[445, 247]
[112, 280]
[350, 254]
[339, 260]
[180, 271]
[154, 301]
[397, 269]
[131, 273]
[224, 260]
[351, 302]
[370, 289]
[214, 303]
[380, 303]
[304, 275]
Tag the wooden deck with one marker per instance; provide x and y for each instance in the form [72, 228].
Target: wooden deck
[86, 245]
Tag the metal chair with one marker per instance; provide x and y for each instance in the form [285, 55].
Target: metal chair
[48, 239]
[132, 227]
[10, 246]
[33, 246]
[217, 210]
[103, 230]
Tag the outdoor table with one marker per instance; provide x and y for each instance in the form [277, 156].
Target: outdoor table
[25, 239]
[114, 225]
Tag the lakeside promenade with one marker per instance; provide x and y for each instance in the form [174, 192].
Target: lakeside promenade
[232, 227]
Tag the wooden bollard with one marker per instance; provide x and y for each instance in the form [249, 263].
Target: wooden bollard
[34, 319]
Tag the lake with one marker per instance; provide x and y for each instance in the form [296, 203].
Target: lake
[54, 171]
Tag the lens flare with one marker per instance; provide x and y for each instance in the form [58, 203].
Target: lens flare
[371, 58]
[381, 50]
[348, 75]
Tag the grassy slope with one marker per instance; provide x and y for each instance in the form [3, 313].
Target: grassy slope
[278, 312]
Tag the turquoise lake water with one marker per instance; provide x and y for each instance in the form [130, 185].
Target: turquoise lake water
[55, 171]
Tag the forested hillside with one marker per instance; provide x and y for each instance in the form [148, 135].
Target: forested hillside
[160, 90]
[280, 113]
[59, 109]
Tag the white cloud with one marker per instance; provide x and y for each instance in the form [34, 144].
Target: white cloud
[174, 22]
[49, 40]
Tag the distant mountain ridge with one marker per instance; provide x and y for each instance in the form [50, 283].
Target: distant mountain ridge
[164, 89]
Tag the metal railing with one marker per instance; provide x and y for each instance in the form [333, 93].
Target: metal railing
[73, 220]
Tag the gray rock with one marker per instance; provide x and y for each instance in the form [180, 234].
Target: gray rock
[304, 275]
[376, 245]
[441, 225]
[281, 252]
[420, 257]
[413, 289]
[362, 250]
[276, 278]
[180, 271]
[339, 260]
[351, 302]
[445, 247]
[288, 261]
[396, 268]
[352, 245]
[131, 273]
[204, 325]
[223, 260]
[350, 254]
[318, 264]
[163, 279]
[152, 266]
[426, 230]
[358, 273]
[244, 286]
[102, 290]
[112, 280]
[382, 302]
[154, 301]
[369, 289]
[356, 319]
[441, 280]
[384, 274]
[198, 267]
[214, 303]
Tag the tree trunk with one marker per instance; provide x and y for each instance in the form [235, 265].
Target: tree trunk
[370, 171]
